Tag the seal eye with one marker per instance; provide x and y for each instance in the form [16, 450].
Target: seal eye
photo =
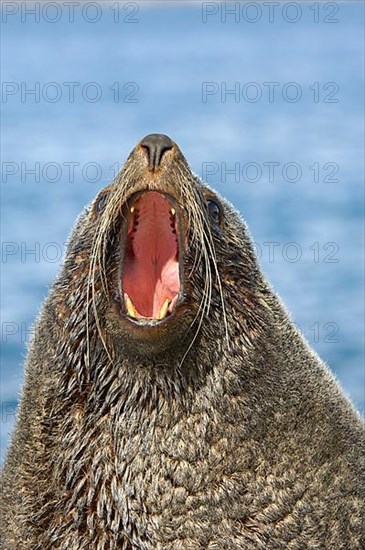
[100, 203]
[214, 211]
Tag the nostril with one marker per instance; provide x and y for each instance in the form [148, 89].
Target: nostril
[156, 145]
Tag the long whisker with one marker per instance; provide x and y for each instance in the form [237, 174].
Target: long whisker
[203, 238]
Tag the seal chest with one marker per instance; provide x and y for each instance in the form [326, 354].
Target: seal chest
[169, 402]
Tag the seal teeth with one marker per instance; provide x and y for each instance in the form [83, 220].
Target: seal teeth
[173, 303]
[163, 311]
[131, 310]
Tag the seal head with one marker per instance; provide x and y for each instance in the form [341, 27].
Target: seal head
[161, 242]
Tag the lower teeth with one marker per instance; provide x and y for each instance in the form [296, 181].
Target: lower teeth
[132, 311]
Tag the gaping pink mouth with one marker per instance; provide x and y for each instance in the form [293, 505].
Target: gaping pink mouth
[151, 281]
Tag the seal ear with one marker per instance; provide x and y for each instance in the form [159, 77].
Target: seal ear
[100, 202]
[215, 211]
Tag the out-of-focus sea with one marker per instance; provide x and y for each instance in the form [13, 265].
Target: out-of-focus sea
[296, 146]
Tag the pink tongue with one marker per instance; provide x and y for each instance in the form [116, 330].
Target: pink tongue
[151, 273]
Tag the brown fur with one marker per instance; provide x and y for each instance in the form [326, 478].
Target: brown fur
[223, 430]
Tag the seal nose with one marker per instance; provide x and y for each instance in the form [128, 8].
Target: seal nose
[156, 145]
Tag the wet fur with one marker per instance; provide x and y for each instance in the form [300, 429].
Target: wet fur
[226, 433]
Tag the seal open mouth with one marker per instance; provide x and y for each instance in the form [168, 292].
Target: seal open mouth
[150, 278]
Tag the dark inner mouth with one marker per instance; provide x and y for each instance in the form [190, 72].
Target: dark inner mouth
[151, 282]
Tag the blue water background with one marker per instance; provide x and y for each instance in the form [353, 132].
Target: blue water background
[168, 53]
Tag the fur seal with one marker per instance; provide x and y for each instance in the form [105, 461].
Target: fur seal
[169, 402]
